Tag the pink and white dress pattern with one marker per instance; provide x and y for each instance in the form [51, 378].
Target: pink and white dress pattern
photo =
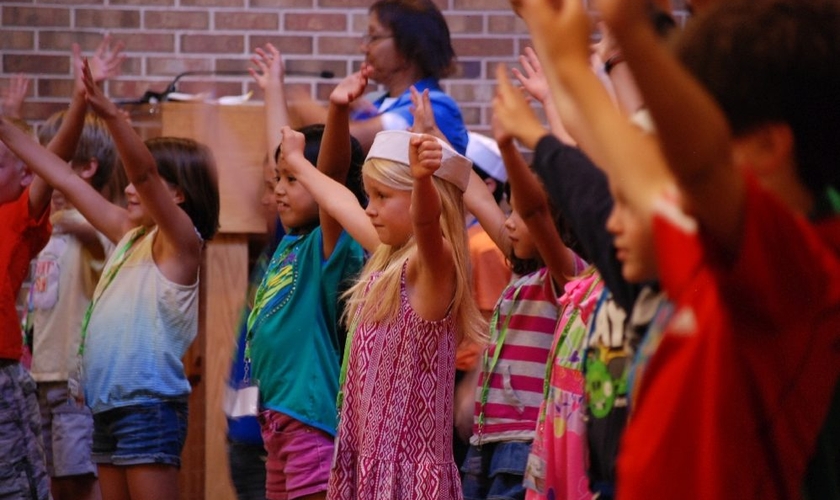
[395, 432]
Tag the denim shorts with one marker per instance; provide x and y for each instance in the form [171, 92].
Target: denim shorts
[299, 457]
[495, 470]
[23, 472]
[150, 433]
[67, 430]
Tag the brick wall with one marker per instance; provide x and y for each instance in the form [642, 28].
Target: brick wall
[166, 37]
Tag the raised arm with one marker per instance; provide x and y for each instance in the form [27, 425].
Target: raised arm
[575, 186]
[693, 132]
[336, 152]
[177, 249]
[607, 53]
[527, 193]
[630, 157]
[270, 75]
[432, 273]
[305, 111]
[65, 140]
[332, 196]
[107, 218]
[534, 81]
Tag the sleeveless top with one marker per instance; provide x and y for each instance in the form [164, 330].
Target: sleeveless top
[140, 328]
[395, 432]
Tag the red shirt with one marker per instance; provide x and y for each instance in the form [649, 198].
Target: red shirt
[21, 238]
[733, 399]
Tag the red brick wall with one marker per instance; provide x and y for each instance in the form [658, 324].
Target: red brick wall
[167, 37]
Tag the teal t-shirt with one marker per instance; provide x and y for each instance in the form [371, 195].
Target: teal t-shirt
[294, 327]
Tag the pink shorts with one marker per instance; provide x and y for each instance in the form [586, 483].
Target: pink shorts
[299, 457]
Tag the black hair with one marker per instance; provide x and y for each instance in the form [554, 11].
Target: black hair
[420, 34]
[499, 192]
[775, 61]
[567, 235]
[312, 135]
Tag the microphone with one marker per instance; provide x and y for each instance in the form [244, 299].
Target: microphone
[152, 97]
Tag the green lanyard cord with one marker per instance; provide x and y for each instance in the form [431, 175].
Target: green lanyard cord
[119, 259]
[488, 368]
[345, 361]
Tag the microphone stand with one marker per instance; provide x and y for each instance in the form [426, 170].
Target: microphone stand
[152, 97]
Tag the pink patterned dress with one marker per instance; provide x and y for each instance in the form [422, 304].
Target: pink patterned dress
[395, 432]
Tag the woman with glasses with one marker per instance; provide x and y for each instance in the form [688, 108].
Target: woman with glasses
[407, 44]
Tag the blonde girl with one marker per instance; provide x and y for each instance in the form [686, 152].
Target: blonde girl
[406, 313]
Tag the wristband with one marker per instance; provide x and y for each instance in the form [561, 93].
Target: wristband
[611, 62]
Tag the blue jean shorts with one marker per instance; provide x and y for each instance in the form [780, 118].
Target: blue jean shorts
[67, 430]
[495, 471]
[150, 433]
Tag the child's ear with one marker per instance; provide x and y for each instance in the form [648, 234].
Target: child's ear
[768, 150]
[178, 195]
[89, 170]
[26, 176]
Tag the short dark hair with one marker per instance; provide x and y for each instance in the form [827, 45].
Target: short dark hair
[189, 166]
[775, 61]
[420, 34]
[499, 192]
[312, 135]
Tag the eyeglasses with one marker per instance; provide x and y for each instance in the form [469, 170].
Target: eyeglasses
[369, 38]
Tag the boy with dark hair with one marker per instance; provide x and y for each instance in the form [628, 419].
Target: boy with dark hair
[731, 397]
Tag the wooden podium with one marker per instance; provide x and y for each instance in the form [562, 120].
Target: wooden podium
[236, 135]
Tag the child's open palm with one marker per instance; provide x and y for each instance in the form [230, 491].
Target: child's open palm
[269, 62]
[107, 61]
[512, 115]
[425, 154]
[533, 80]
[12, 97]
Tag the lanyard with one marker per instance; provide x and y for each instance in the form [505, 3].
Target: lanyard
[549, 364]
[261, 298]
[345, 361]
[489, 368]
[119, 259]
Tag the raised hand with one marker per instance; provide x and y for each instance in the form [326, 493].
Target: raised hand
[292, 144]
[534, 79]
[12, 97]
[424, 154]
[560, 28]
[424, 115]
[106, 61]
[513, 117]
[351, 87]
[100, 103]
[269, 63]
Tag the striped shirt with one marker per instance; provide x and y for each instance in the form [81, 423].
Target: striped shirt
[528, 309]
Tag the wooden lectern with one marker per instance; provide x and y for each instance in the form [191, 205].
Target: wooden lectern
[236, 135]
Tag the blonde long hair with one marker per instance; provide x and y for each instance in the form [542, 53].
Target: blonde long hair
[388, 260]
